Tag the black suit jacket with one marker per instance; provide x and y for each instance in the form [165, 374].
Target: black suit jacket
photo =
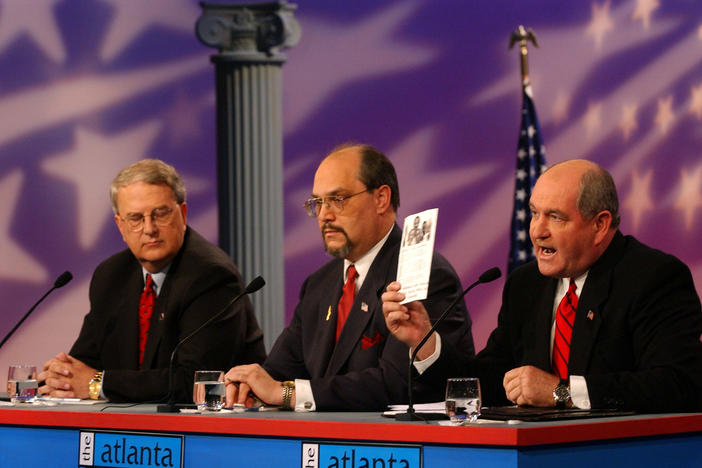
[367, 369]
[636, 336]
[200, 282]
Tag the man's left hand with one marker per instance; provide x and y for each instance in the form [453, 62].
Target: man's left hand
[529, 385]
[66, 377]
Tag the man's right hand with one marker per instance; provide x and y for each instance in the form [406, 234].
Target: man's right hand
[408, 322]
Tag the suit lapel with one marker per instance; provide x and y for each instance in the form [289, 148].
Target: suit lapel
[319, 354]
[541, 356]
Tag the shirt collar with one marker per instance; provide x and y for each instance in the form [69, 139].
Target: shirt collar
[158, 278]
[364, 263]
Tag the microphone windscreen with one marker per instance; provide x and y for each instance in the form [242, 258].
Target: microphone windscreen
[490, 275]
[255, 284]
[62, 280]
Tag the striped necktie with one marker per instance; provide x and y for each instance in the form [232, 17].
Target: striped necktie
[565, 317]
[347, 295]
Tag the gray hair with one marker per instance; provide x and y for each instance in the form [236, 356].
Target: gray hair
[150, 171]
[598, 193]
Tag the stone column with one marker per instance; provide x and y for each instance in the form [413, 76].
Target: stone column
[249, 37]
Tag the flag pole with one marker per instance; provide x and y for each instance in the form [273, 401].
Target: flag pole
[531, 159]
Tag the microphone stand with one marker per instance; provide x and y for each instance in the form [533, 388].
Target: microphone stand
[411, 415]
[171, 406]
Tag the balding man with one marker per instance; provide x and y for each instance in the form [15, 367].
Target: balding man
[337, 353]
[598, 321]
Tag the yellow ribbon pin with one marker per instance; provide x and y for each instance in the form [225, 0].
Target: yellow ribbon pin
[329, 313]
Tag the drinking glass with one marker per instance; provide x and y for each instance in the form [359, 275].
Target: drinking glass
[22, 383]
[463, 399]
[208, 390]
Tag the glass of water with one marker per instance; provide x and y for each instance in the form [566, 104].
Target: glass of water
[22, 384]
[208, 390]
[463, 399]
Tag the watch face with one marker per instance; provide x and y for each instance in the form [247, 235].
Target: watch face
[561, 393]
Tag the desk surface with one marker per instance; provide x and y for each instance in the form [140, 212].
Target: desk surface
[349, 426]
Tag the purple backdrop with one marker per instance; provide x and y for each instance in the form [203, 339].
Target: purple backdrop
[88, 86]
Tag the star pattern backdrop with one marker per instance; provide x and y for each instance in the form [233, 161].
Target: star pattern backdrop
[89, 86]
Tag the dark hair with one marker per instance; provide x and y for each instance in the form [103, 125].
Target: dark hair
[376, 170]
[598, 193]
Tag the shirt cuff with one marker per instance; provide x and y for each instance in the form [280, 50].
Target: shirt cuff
[422, 366]
[304, 400]
[102, 387]
[578, 392]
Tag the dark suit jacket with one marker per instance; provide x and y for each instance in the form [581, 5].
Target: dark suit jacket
[200, 282]
[636, 337]
[367, 369]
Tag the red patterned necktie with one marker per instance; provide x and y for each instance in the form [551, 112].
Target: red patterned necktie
[346, 300]
[146, 307]
[565, 316]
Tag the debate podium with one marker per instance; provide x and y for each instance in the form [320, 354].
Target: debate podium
[49, 437]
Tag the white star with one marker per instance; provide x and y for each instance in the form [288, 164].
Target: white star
[690, 194]
[664, 115]
[521, 154]
[130, 19]
[593, 118]
[600, 23]
[696, 101]
[378, 49]
[639, 199]
[628, 124]
[35, 18]
[532, 151]
[521, 215]
[643, 11]
[102, 157]
[521, 174]
[521, 235]
[17, 264]
[522, 255]
[520, 194]
[531, 131]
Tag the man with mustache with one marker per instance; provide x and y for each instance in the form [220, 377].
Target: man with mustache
[336, 353]
[598, 321]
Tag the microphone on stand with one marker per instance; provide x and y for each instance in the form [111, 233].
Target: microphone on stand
[60, 282]
[171, 407]
[490, 275]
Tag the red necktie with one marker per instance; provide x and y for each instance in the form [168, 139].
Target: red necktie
[146, 307]
[346, 300]
[565, 316]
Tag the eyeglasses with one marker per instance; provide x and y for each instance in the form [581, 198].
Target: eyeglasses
[159, 216]
[333, 202]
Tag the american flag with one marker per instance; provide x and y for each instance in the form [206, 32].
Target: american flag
[531, 162]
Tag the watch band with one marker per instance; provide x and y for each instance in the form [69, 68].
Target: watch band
[288, 389]
[95, 386]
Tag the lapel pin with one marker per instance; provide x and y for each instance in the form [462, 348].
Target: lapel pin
[590, 315]
[328, 313]
[364, 307]
[162, 316]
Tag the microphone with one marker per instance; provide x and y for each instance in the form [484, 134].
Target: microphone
[171, 407]
[490, 275]
[60, 282]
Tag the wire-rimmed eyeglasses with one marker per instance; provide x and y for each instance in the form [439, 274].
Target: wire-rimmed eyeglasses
[161, 216]
[313, 206]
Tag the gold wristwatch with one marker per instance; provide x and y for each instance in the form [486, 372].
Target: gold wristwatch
[288, 389]
[95, 386]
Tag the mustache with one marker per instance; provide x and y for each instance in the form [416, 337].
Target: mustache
[333, 228]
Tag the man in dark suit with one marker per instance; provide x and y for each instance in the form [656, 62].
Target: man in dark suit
[598, 321]
[324, 362]
[124, 347]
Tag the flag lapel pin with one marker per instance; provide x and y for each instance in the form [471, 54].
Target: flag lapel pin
[364, 307]
[590, 315]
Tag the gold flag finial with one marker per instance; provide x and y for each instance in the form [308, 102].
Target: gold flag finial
[523, 35]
